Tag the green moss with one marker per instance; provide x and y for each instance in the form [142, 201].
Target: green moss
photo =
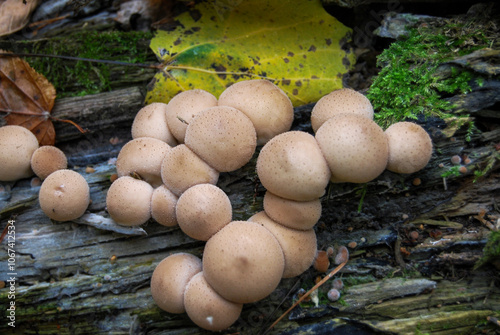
[491, 251]
[71, 77]
[409, 84]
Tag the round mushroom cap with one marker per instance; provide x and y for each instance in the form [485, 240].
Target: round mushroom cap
[64, 195]
[355, 148]
[163, 203]
[202, 210]
[48, 159]
[182, 108]
[182, 169]
[410, 147]
[345, 100]
[17, 145]
[142, 156]
[129, 201]
[243, 262]
[206, 308]
[170, 278]
[223, 137]
[151, 121]
[302, 215]
[269, 108]
[299, 246]
[292, 166]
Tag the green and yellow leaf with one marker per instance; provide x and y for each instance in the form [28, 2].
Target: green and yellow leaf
[294, 43]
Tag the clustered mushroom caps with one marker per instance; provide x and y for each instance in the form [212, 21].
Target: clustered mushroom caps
[169, 174]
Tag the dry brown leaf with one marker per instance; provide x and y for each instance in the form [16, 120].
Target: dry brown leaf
[15, 14]
[27, 97]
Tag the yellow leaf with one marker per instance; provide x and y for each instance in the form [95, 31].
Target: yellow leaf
[294, 43]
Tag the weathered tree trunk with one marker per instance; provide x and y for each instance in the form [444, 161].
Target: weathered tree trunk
[417, 238]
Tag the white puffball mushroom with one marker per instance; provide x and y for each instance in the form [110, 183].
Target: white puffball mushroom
[223, 137]
[355, 148]
[142, 156]
[202, 210]
[299, 246]
[269, 108]
[183, 107]
[208, 309]
[182, 169]
[410, 147]
[47, 159]
[170, 278]
[128, 201]
[151, 121]
[64, 195]
[340, 101]
[302, 215]
[243, 262]
[17, 145]
[163, 203]
[292, 166]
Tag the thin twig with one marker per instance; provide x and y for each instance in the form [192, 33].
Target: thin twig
[321, 282]
[103, 61]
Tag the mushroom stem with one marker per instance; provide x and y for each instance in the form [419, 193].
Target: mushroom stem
[321, 282]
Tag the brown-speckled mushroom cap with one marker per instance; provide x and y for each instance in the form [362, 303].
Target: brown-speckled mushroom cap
[302, 215]
[17, 145]
[208, 309]
[410, 147]
[223, 137]
[129, 201]
[64, 195]
[163, 203]
[345, 100]
[269, 108]
[182, 169]
[202, 210]
[354, 146]
[170, 278]
[182, 108]
[48, 159]
[299, 246]
[151, 121]
[243, 262]
[292, 166]
[142, 156]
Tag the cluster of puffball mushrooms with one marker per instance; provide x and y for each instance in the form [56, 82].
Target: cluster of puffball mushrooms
[169, 171]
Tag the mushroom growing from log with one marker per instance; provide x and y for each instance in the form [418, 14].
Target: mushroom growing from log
[17, 145]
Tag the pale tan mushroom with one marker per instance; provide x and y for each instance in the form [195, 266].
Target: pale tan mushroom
[17, 145]
[269, 108]
[302, 215]
[163, 203]
[48, 159]
[151, 121]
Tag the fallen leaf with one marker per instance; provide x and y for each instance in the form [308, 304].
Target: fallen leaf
[294, 43]
[15, 15]
[27, 97]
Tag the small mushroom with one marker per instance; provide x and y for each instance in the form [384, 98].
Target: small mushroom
[142, 156]
[354, 146]
[182, 108]
[163, 203]
[223, 137]
[64, 195]
[302, 215]
[269, 108]
[46, 160]
[129, 201]
[340, 101]
[321, 262]
[243, 262]
[17, 145]
[182, 169]
[292, 166]
[206, 308]
[151, 121]
[410, 147]
[170, 278]
[202, 210]
[299, 246]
